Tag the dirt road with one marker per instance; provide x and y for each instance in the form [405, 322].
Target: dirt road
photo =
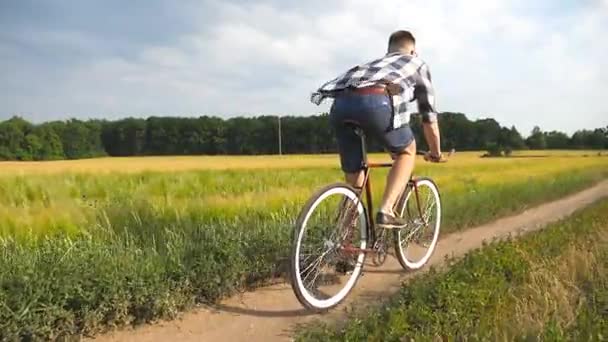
[270, 313]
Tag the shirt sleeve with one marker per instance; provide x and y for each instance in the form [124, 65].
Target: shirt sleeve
[425, 94]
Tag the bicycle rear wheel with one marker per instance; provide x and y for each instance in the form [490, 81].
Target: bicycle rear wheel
[327, 257]
[415, 244]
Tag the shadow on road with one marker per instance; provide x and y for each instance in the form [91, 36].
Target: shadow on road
[219, 308]
[385, 271]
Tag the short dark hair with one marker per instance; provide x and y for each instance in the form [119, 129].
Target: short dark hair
[401, 37]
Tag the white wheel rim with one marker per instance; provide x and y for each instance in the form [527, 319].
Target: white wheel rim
[431, 248]
[355, 274]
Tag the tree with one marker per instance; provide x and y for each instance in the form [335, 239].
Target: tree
[21, 140]
[515, 140]
[33, 147]
[80, 139]
[12, 139]
[536, 140]
[52, 148]
[595, 139]
[487, 131]
[456, 132]
[557, 140]
[124, 137]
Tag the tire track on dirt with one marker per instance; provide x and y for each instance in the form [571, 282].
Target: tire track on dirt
[271, 313]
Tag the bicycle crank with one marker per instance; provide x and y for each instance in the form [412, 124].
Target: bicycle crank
[380, 256]
[380, 252]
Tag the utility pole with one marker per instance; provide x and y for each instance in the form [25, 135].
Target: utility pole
[280, 145]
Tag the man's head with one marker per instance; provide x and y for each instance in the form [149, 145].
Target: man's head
[402, 41]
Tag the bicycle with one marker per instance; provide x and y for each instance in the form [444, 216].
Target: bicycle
[345, 237]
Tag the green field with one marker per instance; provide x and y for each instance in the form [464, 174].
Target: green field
[549, 286]
[93, 244]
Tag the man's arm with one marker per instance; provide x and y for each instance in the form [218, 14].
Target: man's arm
[425, 95]
[431, 134]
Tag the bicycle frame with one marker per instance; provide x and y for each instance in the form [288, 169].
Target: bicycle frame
[366, 167]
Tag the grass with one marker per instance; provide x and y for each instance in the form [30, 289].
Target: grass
[550, 285]
[89, 245]
[564, 153]
[43, 200]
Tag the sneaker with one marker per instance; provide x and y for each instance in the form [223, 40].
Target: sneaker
[388, 221]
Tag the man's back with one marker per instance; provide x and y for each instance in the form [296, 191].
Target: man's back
[406, 77]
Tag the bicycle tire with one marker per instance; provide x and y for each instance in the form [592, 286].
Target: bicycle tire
[403, 206]
[297, 284]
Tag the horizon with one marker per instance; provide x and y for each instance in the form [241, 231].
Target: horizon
[524, 65]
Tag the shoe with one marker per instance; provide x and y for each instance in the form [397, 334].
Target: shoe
[387, 221]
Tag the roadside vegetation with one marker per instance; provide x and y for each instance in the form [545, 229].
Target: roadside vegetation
[550, 285]
[82, 252]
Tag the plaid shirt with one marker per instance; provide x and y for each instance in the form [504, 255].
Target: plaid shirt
[409, 73]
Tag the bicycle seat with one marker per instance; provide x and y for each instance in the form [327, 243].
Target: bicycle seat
[356, 126]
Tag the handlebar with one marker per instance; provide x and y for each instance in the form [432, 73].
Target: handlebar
[444, 158]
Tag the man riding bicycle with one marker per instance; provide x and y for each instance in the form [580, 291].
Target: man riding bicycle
[376, 97]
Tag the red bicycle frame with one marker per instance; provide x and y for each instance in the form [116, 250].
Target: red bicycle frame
[366, 168]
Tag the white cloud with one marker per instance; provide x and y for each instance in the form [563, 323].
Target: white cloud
[488, 58]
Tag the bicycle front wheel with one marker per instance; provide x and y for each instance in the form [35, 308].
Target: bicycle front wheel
[421, 206]
[327, 251]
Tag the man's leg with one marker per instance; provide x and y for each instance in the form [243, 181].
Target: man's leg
[398, 177]
[355, 178]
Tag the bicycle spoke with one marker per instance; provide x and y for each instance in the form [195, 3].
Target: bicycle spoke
[320, 264]
[314, 250]
[314, 263]
[430, 204]
[306, 260]
[314, 279]
[344, 226]
[427, 213]
[409, 236]
[317, 253]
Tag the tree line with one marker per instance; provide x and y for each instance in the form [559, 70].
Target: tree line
[206, 135]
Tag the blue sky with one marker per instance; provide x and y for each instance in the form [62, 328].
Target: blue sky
[523, 63]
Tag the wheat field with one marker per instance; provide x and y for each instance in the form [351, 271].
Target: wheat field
[94, 243]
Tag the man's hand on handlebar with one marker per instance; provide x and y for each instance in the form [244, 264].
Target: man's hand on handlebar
[434, 158]
[430, 157]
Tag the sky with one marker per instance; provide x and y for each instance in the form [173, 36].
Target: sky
[523, 63]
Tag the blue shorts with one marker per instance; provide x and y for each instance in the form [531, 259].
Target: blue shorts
[374, 114]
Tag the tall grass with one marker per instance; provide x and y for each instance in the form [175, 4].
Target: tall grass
[82, 252]
[551, 285]
[63, 201]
